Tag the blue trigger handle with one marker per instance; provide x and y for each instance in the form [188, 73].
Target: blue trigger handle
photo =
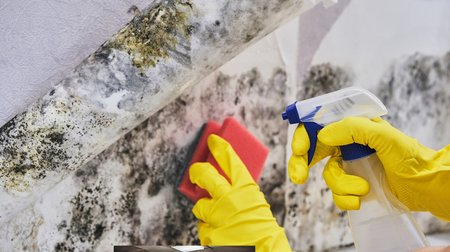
[312, 129]
[349, 152]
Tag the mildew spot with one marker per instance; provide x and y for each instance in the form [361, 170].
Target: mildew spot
[322, 79]
[153, 34]
[34, 142]
[42, 153]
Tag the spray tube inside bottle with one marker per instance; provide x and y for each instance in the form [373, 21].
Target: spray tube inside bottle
[383, 223]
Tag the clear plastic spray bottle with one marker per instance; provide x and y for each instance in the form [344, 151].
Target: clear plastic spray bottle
[383, 223]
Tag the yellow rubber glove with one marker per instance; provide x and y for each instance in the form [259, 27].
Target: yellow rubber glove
[237, 214]
[418, 176]
[346, 189]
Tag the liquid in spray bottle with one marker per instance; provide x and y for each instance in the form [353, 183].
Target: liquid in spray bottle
[383, 223]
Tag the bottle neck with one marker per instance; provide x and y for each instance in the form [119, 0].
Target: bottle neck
[355, 151]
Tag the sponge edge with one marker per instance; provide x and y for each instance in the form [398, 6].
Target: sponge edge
[193, 191]
[252, 153]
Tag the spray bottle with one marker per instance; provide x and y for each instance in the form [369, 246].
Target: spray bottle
[383, 223]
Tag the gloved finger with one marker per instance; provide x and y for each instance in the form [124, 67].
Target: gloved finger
[341, 183]
[376, 133]
[354, 130]
[229, 161]
[377, 120]
[322, 151]
[347, 202]
[208, 178]
[298, 169]
[204, 229]
[203, 208]
[300, 141]
[301, 145]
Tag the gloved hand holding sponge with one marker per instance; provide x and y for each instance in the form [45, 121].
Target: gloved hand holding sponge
[237, 213]
[418, 176]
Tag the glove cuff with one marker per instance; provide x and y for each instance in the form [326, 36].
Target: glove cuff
[421, 182]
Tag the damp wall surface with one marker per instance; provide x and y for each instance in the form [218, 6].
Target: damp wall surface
[166, 48]
[126, 195]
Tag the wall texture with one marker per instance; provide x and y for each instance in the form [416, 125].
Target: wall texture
[126, 194]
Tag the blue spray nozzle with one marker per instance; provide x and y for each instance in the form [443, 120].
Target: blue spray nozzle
[311, 127]
[291, 114]
[317, 112]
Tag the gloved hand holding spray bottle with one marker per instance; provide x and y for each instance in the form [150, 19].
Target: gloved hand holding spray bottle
[383, 223]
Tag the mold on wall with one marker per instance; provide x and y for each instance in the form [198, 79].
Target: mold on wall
[154, 35]
[168, 47]
[415, 89]
[126, 195]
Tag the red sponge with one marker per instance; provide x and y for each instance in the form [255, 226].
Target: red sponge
[252, 153]
[193, 191]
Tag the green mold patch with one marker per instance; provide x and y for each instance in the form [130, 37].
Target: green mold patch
[29, 151]
[40, 154]
[150, 36]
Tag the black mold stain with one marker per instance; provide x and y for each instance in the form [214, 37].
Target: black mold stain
[47, 153]
[102, 55]
[98, 231]
[154, 34]
[87, 224]
[93, 212]
[415, 91]
[56, 137]
[34, 142]
[322, 79]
